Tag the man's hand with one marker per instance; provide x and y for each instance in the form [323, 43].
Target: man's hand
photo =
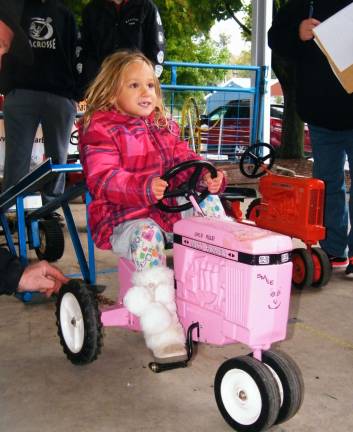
[306, 29]
[42, 277]
[214, 184]
[158, 187]
[6, 36]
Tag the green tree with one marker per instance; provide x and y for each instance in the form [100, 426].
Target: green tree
[199, 51]
[244, 58]
[186, 25]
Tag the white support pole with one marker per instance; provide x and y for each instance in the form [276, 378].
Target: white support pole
[261, 54]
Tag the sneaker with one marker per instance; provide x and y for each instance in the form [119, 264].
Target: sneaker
[349, 268]
[337, 262]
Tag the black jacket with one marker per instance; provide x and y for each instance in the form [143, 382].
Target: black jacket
[10, 272]
[320, 98]
[52, 34]
[136, 25]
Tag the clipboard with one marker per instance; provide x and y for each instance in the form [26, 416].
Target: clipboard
[334, 37]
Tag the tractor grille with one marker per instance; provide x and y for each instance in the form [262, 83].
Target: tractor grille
[316, 208]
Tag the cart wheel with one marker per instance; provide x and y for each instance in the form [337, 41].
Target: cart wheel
[303, 268]
[290, 381]
[247, 394]
[78, 322]
[12, 222]
[322, 267]
[253, 211]
[52, 241]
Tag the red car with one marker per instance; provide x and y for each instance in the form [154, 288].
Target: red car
[276, 116]
[226, 130]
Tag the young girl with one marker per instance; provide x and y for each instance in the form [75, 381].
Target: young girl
[126, 143]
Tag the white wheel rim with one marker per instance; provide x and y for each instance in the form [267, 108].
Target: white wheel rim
[241, 397]
[71, 323]
[279, 383]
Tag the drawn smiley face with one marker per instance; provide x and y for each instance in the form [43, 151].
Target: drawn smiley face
[275, 299]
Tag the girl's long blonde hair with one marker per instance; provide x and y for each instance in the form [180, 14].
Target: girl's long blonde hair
[106, 86]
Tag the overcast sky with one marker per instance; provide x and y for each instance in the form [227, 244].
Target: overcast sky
[230, 28]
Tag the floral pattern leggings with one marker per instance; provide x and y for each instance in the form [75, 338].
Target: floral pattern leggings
[142, 240]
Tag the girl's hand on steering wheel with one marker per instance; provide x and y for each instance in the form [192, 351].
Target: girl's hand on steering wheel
[214, 184]
[158, 187]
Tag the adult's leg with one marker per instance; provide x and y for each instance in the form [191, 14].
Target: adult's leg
[21, 120]
[349, 152]
[57, 116]
[329, 158]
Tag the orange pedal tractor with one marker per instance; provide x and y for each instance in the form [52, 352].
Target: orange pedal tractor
[293, 206]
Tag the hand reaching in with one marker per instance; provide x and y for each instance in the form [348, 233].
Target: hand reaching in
[42, 277]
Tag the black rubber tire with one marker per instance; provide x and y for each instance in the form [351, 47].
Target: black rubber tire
[321, 260]
[253, 207]
[291, 380]
[77, 294]
[303, 268]
[12, 223]
[266, 384]
[52, 242]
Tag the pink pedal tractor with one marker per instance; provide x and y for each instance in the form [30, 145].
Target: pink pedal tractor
[232, 285]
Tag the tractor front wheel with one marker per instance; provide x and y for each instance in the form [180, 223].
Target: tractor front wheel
[303, 268]
[322, 267]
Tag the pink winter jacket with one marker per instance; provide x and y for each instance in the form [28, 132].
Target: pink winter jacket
[121, 155]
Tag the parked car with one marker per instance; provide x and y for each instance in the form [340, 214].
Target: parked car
[226, 130]
[276, 116]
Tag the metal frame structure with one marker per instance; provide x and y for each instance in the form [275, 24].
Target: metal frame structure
[261, 54]
[27, 221]
[256, 89]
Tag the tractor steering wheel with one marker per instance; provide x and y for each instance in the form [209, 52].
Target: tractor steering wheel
[188, 187]
[257, 164]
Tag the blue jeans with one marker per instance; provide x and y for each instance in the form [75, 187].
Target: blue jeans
[330, 151]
